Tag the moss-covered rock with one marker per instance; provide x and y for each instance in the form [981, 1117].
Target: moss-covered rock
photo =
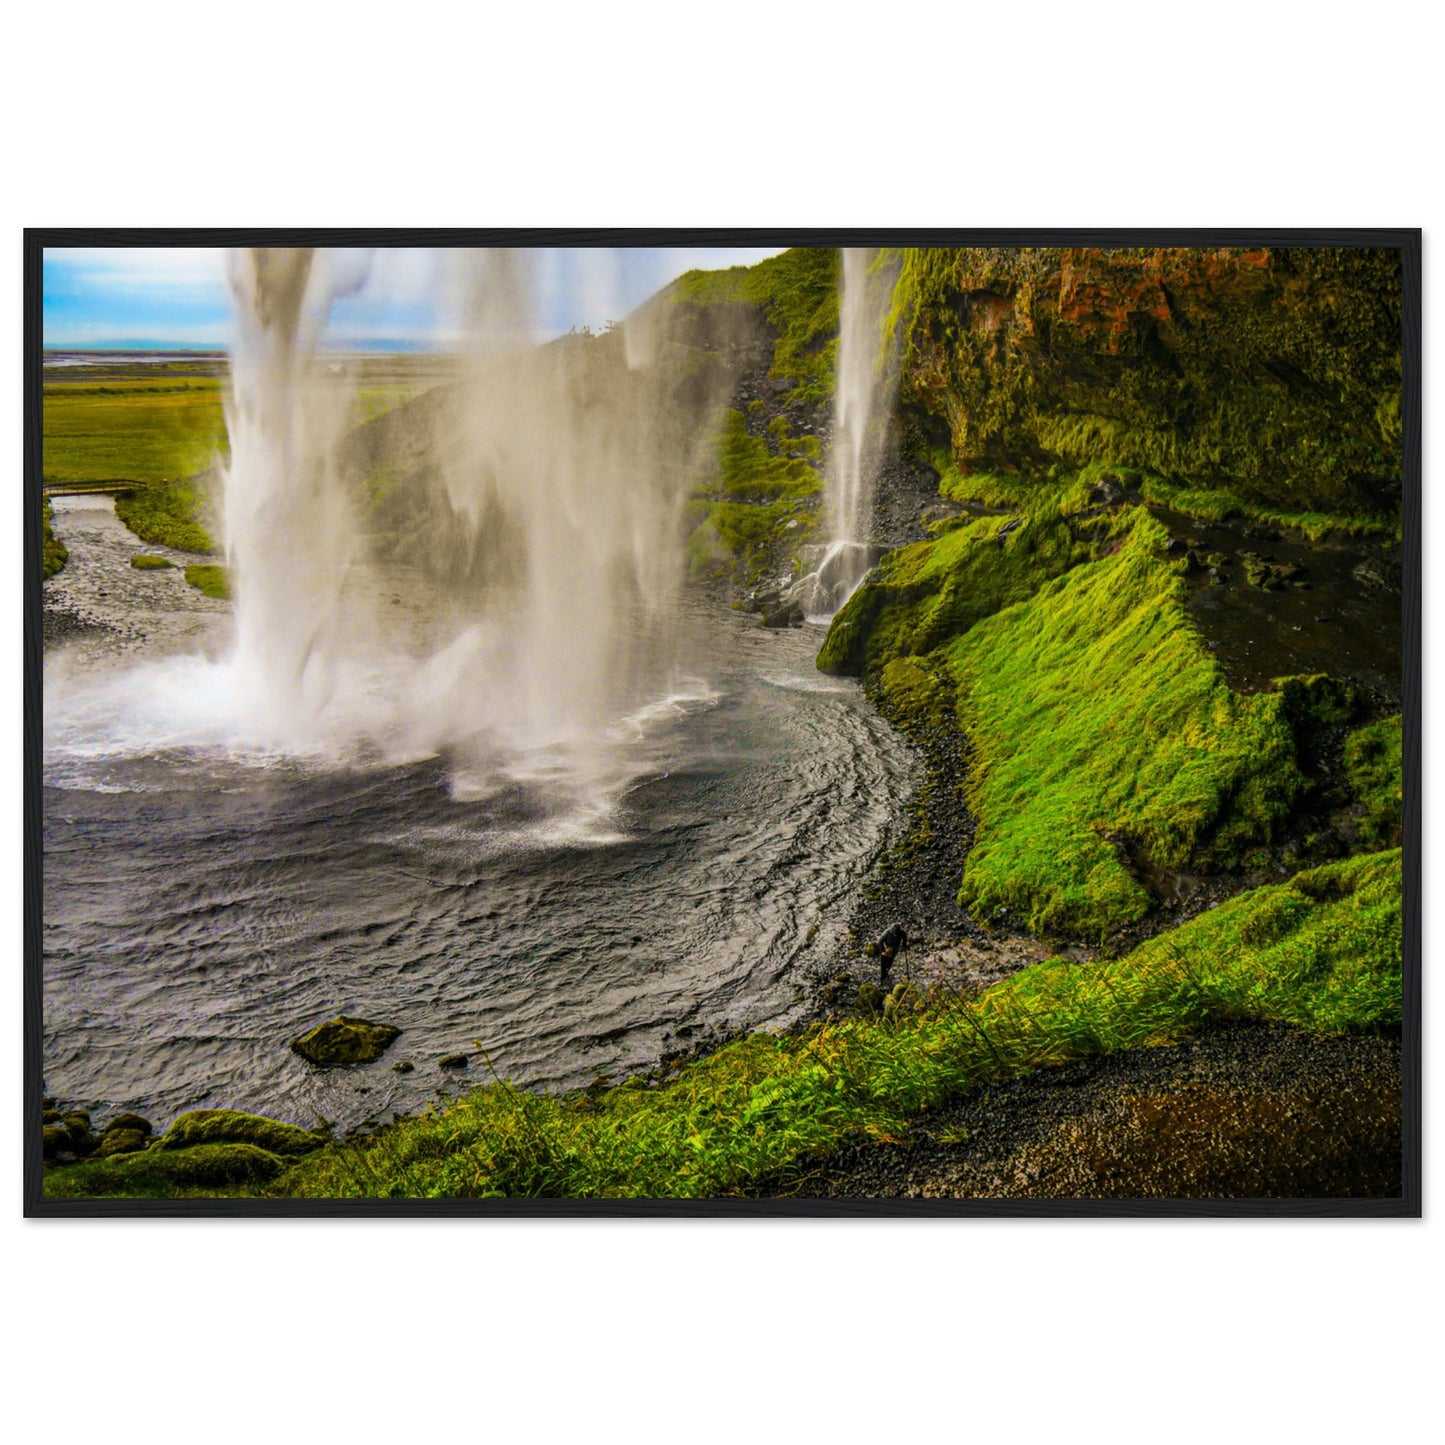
[210, 578]
[204, 1126]
[345, 1040]
[150, 562]
[120, 1141]
[209, 1164]
[452, 1061]
[55, 1140]
[1373, 758]
[130, 1121]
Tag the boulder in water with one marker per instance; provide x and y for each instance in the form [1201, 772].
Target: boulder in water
[345, 1041]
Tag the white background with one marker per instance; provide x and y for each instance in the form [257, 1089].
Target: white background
[743, 114]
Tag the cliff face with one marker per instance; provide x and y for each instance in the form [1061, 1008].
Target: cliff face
[1272, 374]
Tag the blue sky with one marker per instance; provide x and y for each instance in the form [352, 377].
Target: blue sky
[178, 298]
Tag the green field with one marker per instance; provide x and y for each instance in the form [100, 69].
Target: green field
[161, 426]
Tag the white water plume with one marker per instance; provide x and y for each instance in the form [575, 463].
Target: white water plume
[540, 511]
[289, 530]
[863, 397]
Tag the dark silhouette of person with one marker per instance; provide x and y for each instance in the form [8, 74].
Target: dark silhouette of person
[892, 941]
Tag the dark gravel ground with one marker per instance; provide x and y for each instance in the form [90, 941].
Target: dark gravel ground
[1244, 1111]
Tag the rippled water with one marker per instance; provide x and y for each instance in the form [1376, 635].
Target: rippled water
[204, 905]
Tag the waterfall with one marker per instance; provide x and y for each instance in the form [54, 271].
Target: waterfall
[290, 536]
[863, 395]
[544, 492]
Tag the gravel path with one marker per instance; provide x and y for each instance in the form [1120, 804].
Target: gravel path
[1246, 1111]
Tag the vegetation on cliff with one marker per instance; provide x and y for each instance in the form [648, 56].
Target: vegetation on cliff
[1273, 374]
[796, 292]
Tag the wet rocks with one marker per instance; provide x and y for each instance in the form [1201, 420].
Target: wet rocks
[786, 613]
[1268, 574]
[345, 1041]
[452, 1061]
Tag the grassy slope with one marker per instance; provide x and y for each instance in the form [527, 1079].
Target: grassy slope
[798, 293]
[764, 493]
[755, 496]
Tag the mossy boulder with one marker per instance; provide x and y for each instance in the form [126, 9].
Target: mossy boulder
[231, 1126]
[55, 1140]
[213, 1164]
[453, 1061]
[121, 1141]
[130, 1122]
[149, 562]
[345, 1041]
[210, 578]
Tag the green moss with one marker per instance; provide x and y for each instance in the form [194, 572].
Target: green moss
[346, 1041]
[797, 291]
[930, 591]
[53, 552]
[758, 501]
[208, 1126]
[209, 578]
[1373, 761]
[149, 562]
[167, 515]
[1220, 504]
[1271, 375]
[1104, 730]
[1106, 742]
[206, 1170]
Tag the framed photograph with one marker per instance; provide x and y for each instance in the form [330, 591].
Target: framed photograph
[722, 722]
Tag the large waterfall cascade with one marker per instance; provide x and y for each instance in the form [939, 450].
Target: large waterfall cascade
[557, 472]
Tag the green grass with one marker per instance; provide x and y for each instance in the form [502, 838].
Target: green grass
[167, 516]
[1373, 761]
[930, 591]
[798, 292]
[209, 578]
[742, 513]
[1105, 739]
[149, 562]
[53, 552]
[1100, 722]
[132, 431]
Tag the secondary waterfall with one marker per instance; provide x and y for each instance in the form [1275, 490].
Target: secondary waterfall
[862, 399]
